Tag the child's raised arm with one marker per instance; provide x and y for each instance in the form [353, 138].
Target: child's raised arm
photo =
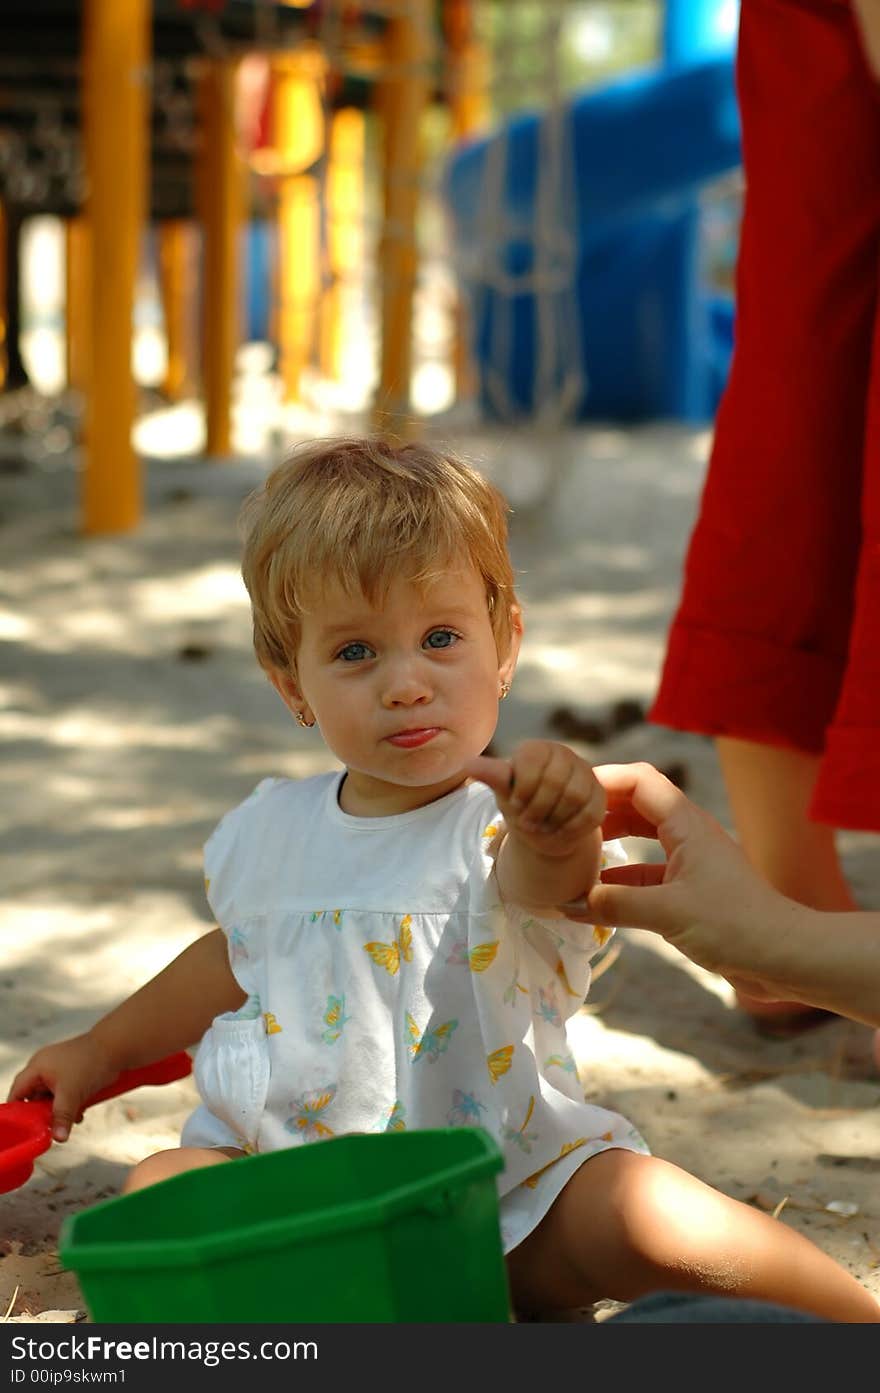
[553, 807]
[170, 1012]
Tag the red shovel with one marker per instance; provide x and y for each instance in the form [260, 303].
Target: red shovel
[26, 1127]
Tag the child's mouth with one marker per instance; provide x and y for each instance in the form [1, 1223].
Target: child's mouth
[409, 739]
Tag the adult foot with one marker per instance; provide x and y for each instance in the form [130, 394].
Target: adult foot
[781, 1019]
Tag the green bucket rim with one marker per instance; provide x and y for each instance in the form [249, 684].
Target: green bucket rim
[274, 1233]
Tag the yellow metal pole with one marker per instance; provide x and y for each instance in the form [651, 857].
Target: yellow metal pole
[298, 137]
[175, 288]
[221, 185]
[403, 99]
[77, 311]
[468, 95]
[345, 212]
[116, 55]
[467, 70]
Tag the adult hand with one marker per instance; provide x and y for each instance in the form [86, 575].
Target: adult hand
[705, 898]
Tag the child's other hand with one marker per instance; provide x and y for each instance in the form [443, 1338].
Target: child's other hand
[71, 1071]
[549, 797]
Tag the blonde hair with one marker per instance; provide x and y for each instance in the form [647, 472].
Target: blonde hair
[362, 512]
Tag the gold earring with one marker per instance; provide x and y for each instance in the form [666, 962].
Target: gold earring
[505, 688]
[307, 725]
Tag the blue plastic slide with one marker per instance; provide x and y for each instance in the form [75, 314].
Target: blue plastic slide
[577, 240]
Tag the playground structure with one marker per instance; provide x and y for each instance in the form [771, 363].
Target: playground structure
[293, 153]
[581, 246]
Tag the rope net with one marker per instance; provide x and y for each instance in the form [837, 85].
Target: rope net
[365, 306]
[467, 69]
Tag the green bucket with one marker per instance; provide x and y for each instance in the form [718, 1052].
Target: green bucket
[396, 1226]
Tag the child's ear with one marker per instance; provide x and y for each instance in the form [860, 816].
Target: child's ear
[508, 666]
[287, 687]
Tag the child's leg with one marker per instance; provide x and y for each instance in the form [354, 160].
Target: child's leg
[769, 790]
[163, 1164]
[626, 1225]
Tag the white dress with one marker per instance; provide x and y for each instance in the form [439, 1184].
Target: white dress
[389, 988]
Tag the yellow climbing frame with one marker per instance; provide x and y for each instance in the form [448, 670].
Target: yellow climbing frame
[116, 55]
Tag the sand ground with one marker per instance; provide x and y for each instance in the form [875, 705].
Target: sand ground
[133, 715]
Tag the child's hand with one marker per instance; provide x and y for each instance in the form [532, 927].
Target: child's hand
[550, 798]
[71, 1071]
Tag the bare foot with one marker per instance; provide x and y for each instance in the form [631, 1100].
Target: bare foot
[781, 1019]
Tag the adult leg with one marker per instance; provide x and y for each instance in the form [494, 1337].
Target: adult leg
[626, 1225]
[847, 792]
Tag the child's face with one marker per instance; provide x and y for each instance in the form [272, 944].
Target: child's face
[404, 694]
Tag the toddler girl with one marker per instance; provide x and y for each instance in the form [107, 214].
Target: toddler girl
[393, 953]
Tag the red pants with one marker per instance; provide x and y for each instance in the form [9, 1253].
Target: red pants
[777, 638]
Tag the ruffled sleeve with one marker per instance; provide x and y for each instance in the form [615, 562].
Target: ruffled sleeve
[566, 946]
[570, 946]
[228, 862]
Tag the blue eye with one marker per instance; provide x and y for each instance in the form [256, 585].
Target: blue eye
[354, 653]
[441, 638]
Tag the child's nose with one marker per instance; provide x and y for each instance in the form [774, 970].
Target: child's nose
[406, 686]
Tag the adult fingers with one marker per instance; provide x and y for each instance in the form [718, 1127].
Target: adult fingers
[642, 788]
[641, 799]
[634, 873]
[637, 907]
[626, 822]
[582, 911]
